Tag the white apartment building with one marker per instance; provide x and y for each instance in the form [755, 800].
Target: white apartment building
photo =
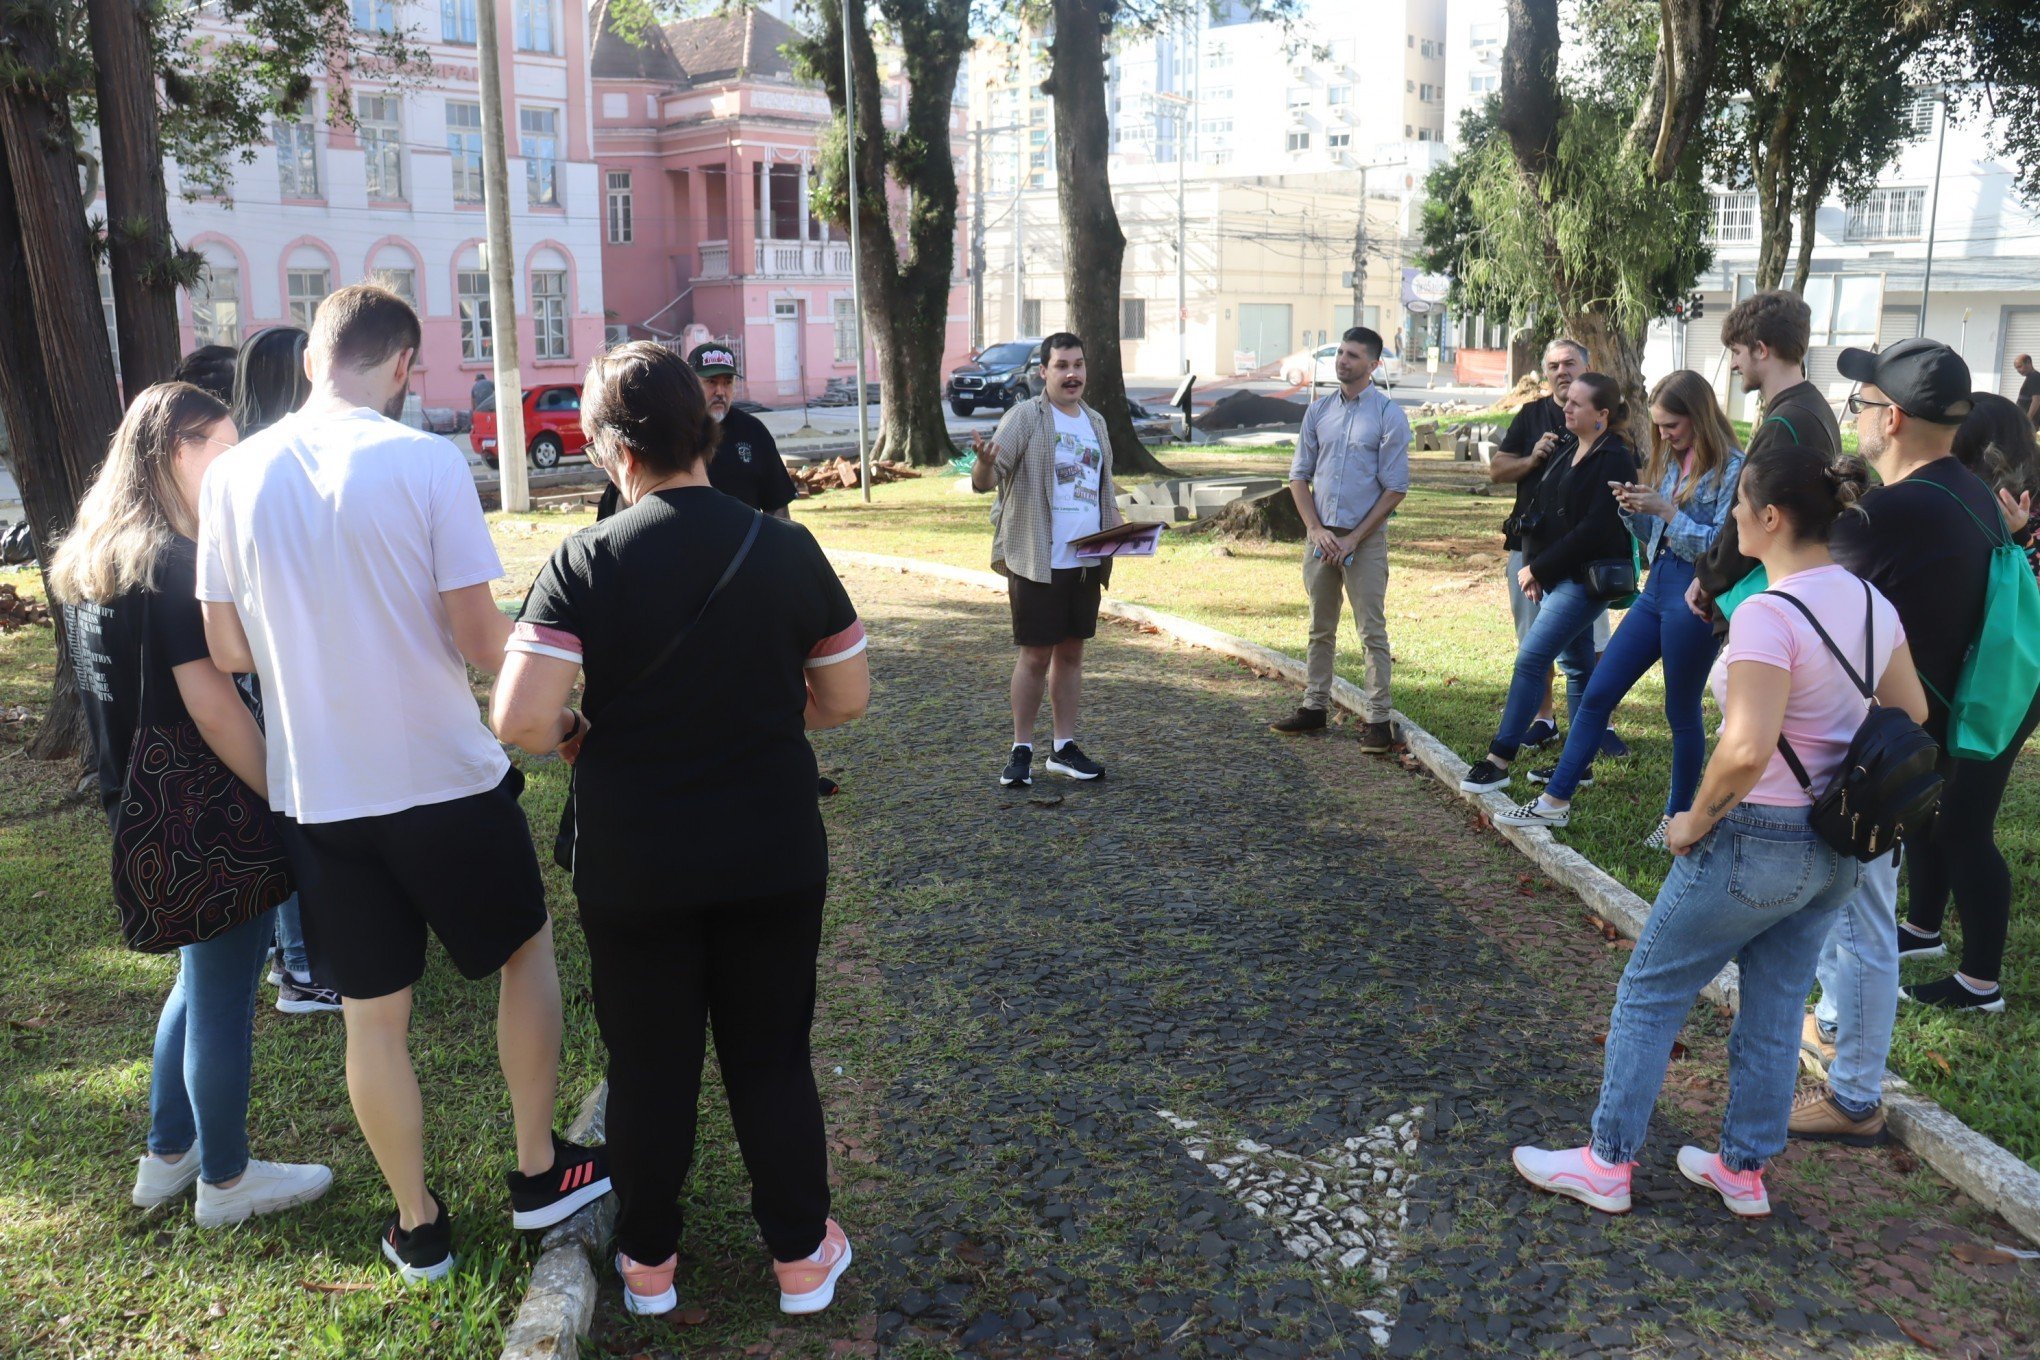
[1474, 32]
[1272, 191]
[1870, 269]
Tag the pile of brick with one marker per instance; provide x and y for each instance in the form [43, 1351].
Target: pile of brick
[840, 474]
[18, 611]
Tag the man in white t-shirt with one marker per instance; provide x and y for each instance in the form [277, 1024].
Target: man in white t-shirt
[344, 559]
[1051, 460]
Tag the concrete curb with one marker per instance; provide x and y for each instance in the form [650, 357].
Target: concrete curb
[559, 1302]
[1984, 1170]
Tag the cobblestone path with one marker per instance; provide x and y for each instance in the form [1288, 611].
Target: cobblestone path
[1308, 962]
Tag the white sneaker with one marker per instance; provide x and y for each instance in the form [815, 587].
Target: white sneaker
[264, 1188]
[157, 1182]
[1536, 812]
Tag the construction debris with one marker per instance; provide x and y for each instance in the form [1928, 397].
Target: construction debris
[840, 474]
[18, 611]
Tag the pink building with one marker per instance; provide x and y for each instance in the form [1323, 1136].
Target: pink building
[704, 141]
[398, 197]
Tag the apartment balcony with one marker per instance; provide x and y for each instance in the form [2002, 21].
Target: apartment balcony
[780, 260]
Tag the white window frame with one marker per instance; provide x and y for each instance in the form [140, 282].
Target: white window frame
[375, 16]
[1296, 140]
[304, 288]
[617, 201]
[471, 300]
[216, 305]
[1897, 214]
[381, 120]
[550, 336]
[541, 152]
[1338, 141]
[843, 312]
[400, 279]
[464, 146]
[1732, 216]
[535, 28]
[297, 159]
[457, 22]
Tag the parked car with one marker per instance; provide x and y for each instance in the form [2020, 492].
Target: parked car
[1002, 375]
[1315, 366]
[552, 424]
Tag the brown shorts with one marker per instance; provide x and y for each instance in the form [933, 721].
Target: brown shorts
[1065, 608]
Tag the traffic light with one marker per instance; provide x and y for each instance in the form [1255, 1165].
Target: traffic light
[1695, 307]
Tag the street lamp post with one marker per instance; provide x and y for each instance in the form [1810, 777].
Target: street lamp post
[856, 259]
[1185, 109]
[1933, 211]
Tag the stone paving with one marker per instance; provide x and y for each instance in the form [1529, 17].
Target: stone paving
[1223, 1056]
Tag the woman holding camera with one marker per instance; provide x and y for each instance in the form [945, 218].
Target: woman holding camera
[1675, 513]
[1575, 551]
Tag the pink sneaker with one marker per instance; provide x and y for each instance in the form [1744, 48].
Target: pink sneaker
[1741, 1191]
[1578, 1174]
[648, 1289]
[809, 1285]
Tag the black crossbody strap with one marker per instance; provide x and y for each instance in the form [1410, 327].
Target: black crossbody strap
[672, 646]
[1792, 761]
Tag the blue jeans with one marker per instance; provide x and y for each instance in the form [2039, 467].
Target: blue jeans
[205, 1046]
[290, 937]
[1563, 631]
[1659, 626]
[1859, 987]
[1761, 889]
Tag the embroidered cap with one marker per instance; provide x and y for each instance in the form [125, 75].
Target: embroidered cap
[713, 361]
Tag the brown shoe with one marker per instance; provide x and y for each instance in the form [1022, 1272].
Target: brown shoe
[1810, 1041]
[1376, 737]
[1816, 1118]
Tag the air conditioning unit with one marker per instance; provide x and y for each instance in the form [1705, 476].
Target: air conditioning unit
[614, 334]
[1301, 71]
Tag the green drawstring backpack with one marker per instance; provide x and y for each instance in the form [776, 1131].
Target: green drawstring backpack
[2002, 670]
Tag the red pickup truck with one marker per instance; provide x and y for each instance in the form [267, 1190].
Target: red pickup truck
[552, 424]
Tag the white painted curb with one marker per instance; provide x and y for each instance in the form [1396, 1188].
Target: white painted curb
[559, 1302]
[1985, 1171]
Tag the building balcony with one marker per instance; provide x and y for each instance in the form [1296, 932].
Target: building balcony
[780, 260]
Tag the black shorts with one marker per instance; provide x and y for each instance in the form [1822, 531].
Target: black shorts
[1065, 608]
[370, 886]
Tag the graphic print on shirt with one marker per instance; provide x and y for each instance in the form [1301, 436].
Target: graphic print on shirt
[1073, 494]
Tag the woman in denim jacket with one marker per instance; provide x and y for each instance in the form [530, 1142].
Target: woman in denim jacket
[1675, 513]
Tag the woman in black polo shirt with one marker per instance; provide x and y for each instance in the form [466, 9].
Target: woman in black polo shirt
[712, 639]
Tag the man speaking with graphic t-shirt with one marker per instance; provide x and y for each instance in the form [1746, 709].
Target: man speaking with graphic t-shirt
[1051, 461]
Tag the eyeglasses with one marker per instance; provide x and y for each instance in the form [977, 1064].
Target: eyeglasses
[208, 439]
[1857, 402]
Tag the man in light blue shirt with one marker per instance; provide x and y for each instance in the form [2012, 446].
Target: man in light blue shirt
[1352, 469]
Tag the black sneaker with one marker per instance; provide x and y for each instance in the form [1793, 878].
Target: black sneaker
[1485, 777]
[1068, 760]
[302, 998]
[1019, 772]
[423, 1254]
[1542, 733]
[578, 1176]
[1911, 946]
[826, 787]
[1950, 994]
[1543, 776]
[1303, 720]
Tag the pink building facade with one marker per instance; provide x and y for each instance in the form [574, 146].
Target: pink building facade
[397, 198]
[704, 142]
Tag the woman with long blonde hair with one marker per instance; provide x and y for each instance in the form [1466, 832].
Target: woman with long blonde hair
[1674, 514]
[126, 580]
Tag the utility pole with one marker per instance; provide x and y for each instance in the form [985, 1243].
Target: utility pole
[510, 455]
[1933, 214]
[856, 259]
[977, 236]
[1182, 107]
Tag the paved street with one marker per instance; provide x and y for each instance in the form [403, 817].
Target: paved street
[1173, 1051]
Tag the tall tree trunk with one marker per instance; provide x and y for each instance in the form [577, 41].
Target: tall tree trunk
[140, 252]
[56, 373]
[906, 298]
[1777, 182]
[1617, 352]
[1094, 248]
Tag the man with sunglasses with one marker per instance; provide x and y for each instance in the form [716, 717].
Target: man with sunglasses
[1916, 540]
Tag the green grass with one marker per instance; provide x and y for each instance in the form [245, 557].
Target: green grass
[1454, 650]
[86, 1274]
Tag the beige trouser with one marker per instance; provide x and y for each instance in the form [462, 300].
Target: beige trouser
[1365, 583]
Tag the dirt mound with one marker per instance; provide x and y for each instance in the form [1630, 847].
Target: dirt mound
[1247, 410]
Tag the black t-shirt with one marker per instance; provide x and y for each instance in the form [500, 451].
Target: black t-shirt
[1929, 558]
[2028, 390]
[746, 465]
[107, 643]
[1532, 423]
[696, 785]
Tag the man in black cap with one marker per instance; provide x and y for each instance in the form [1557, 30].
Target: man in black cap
[1919, 541]
[746, 463]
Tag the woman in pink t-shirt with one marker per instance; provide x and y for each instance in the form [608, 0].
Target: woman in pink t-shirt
[1752, 882]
